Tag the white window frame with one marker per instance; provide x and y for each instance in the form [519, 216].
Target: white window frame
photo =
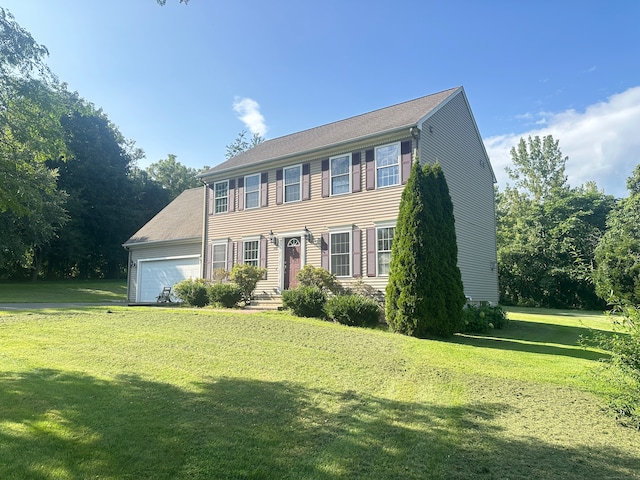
[398, 164]
[378, 251]
[284, 183]
[244, 251]
[247, 192]
[225, 246]
[349, 253]
[216, 198]
[332, 176]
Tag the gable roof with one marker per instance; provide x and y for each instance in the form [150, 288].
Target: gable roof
[180, 220]
[377, 122]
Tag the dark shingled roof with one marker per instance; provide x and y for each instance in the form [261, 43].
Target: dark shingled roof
[181, 219]
[351, 129]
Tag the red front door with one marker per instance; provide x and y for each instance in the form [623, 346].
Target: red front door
[291, 262]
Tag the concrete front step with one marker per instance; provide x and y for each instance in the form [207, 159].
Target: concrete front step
[271, 302]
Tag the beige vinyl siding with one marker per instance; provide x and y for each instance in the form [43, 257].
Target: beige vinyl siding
[360, 210]
[454, 142]
[157, 251]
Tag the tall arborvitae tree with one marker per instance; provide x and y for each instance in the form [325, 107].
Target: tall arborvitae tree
[424, 295]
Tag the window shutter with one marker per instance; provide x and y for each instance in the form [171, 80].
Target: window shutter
[232, 195]
[356, 252]
[324, 251]
[306, 192]
[405, 154]
[264, 189]
[239, 252]
[371, 169]
[210, 195]
[325, 177]
[241, 194]
[263, 255]
[229, 256]
[356, 178]
[207, 267]
[279, 187]
[371, 252]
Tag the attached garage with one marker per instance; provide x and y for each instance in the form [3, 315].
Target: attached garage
[167, 249]
[156, 274]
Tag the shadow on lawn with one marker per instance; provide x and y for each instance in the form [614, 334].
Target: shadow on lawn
[539, 335]
[84, 427]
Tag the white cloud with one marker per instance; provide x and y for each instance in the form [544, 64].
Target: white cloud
[248, 111]
[602, 143]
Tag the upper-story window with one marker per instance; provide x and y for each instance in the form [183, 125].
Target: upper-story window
[221, 196]
[388, 165]
[292, 183]
[251, 252]
[340, 254]
[252, 191]
[340, 174]
[384, 242]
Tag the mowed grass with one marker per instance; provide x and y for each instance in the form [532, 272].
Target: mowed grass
[154, 393]
[67, 291]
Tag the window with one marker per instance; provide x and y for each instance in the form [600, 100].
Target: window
[388, 165]
[340, 252]
[251, 250]
[219, 256]
[221, 196]
[292, 183]
[385, 239]
[340, 175]
[252, 191]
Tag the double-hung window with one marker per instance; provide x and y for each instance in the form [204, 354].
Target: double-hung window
[388, 165]
[384, 241]
[340, 174]
[221, 197]
[251, 252]
[219, 256]
[292, 183]
[252, 191]
[340, 253]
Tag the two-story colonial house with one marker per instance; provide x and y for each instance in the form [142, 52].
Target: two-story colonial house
[330, 196]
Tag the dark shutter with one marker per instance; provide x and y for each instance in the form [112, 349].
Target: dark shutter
[232, 195]
[241, 194]
[229, 256]
[405, 153]
[371, 252]
[207, 263]
[325, 177]
[356, 178]
[324, 251]
[306, 174]
[371, 169]
[279, 187]
[264, 189]
[356, 252]
[210, 200]
[239, 252]
[263, 255]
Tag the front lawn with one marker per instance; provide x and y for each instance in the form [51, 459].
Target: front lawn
[64, 291]
[154, 393]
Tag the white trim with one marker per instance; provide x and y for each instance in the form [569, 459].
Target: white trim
[378, 228]
[281, 253]
[225, 244]
[341, 228]
[244, 249]
[349, 186]
[385, 223]
[141, 261]
[257, 191]
[349, 255]
[284, 183]
[399, 164]
[216, 198]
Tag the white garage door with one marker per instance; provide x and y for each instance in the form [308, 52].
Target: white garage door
[157, 274]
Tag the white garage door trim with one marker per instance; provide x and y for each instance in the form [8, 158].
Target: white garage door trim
[156, 273]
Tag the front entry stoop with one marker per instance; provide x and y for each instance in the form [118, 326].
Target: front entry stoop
[265, 302]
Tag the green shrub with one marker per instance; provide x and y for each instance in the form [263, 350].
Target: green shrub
[354, 310]
[192, 292]
[483, 318]
[310, 276]
[247, 277]
[305, 301]
[227, 295]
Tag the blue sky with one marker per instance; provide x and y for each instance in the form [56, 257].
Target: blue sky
[169, 77]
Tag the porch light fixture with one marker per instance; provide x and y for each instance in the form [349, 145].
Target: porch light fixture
[273, 238]
[132, 264]
[307, 234]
